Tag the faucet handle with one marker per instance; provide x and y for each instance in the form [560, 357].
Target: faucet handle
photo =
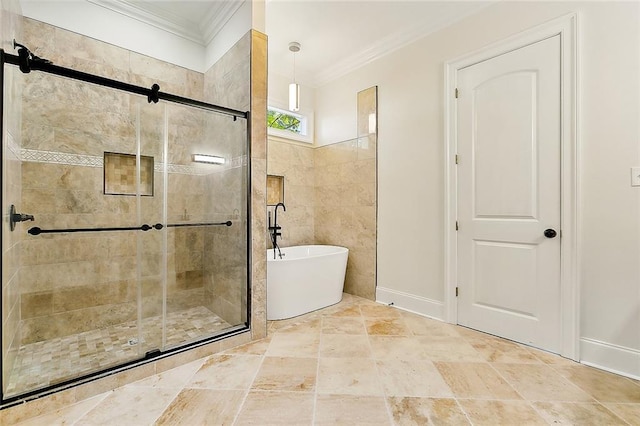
[15, 217]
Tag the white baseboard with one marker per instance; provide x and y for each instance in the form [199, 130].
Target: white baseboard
[609, 357]
[412, 303]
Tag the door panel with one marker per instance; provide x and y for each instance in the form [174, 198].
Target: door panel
[491, 277]
[509, 193]
[498, 124]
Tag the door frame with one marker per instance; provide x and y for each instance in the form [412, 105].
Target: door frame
[567, 27]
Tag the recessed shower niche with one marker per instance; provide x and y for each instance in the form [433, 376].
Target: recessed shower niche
[98, 281]
[121, 174]
[275, 190]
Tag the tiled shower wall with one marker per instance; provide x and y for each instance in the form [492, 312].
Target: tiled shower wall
[330, 194]
[224, 269]
[11, 25]
[79, 53]
[78, 282]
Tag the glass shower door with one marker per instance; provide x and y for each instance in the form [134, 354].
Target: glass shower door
[206, 205]
[138, 242]
[77, 282]
[151, 212]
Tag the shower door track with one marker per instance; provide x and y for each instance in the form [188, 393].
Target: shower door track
[154, 355]
[28, 62]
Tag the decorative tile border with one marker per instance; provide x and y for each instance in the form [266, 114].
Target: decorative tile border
[36, 156]
[53, 157]
[179, 169]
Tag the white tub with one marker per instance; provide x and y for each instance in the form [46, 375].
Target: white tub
[307, 278]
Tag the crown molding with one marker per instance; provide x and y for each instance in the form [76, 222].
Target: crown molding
[216, 17]
[383, 47]
[200, 32]
[155, 17]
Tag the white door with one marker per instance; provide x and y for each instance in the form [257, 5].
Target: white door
[509, 195]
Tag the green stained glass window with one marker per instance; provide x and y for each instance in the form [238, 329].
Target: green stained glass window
[283, 121]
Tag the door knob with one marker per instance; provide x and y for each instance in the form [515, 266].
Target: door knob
[550, 233]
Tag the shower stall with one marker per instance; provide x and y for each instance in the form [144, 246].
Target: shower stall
[125, 232]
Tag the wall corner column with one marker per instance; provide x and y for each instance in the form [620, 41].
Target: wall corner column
[258, 129]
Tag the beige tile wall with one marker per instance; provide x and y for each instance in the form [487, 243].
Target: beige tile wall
[100, 272]
[221, 284]
[258, 184]
[79, 281]
[10, 28]
[295, 163]
[105, 134]
[226, 260]
[330, 194]
[226, 247]
[345, 208]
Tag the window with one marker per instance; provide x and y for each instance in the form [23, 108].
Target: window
[289, 125]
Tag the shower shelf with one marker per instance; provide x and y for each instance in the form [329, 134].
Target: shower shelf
[37, 231]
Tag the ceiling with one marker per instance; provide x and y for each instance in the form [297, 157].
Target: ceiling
[339, 36]
[336, 36]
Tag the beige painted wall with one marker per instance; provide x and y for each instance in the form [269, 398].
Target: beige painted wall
[410, 166]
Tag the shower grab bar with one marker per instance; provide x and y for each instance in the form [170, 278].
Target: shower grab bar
[37, 231]
[176, 225]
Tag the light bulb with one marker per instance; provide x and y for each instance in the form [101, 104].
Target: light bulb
[294, 97]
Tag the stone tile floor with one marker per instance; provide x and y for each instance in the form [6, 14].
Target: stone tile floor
[53, 361]
[360, 363]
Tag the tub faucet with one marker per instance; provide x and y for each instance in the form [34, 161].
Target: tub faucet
[275, 229]
[275, 213]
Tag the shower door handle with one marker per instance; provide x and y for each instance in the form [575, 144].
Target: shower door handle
[179, 225]
[145, 227]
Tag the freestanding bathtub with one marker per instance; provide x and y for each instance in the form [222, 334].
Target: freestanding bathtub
[307, 278]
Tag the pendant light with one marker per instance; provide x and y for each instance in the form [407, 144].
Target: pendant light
[294, 88]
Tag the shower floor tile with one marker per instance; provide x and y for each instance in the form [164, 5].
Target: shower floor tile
[53, 361]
